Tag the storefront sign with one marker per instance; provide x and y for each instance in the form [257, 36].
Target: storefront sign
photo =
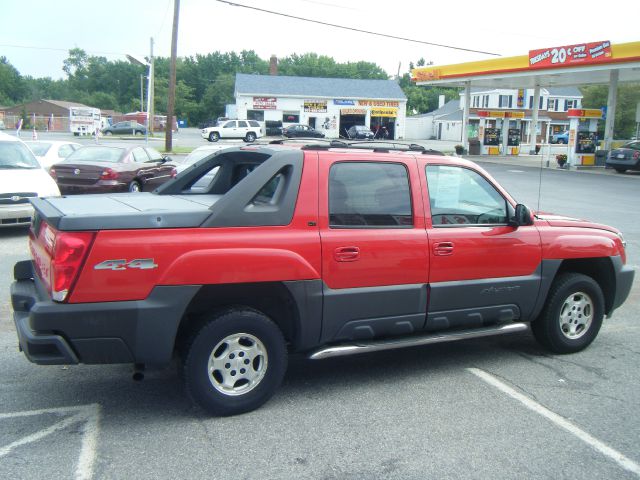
[315, 107]
[384, 112]
[353, 111]
[520, 102]
[343, 102]
[499, 114]
[378, 103]
[264, 103]
[580, 54]
[584, 113]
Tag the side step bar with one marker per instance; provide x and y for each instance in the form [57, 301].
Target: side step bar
[379, 345]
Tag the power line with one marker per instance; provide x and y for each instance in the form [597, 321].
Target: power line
[57, 49]
[233, 4]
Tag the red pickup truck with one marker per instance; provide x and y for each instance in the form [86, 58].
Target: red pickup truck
[325, 248]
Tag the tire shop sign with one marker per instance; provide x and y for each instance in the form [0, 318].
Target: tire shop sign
[264, 103]
[315, 107]
[378, 103]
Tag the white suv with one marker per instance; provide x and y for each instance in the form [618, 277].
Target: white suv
[248, 130]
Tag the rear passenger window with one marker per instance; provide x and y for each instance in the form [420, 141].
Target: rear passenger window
[242, 124]
[369, 195]
[139, 155]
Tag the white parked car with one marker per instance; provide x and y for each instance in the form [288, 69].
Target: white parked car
[248, 130]
[21, 178]
[50, 152]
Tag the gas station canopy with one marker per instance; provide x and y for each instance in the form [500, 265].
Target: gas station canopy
[569, 65]
[581, 64]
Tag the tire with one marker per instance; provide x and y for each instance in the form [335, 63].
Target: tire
[214, 136]
[572, 316]
[135, 187]
[139, 132]
[621, 170]
[218, 346]
[250, 138]
[108, 132]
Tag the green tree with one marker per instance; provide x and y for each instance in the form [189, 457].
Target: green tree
[595, 96]
[13, 88]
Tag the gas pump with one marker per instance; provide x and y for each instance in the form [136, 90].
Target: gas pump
[513, 140]
[583, 135]
[499, 132]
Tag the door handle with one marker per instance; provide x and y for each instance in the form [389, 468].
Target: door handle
[443, 248]
[346, 254]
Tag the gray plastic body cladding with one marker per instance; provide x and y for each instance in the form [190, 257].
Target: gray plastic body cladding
[141, 331]
[480, 296]
[370, 312]
[307, 295]
[624, 280]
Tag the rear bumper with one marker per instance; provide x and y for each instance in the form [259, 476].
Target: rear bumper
[52, 333]
[627, 163]
[93, 188]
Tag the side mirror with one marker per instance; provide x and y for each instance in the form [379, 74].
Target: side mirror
[522, 216]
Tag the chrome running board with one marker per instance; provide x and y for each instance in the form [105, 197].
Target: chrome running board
[379, 345]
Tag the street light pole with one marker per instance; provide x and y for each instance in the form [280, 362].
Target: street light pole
[141, 94]
[150, 95]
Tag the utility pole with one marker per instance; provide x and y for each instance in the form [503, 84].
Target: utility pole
[150, 96]
[168, 138]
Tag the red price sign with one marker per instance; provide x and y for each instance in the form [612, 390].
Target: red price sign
[582, 53]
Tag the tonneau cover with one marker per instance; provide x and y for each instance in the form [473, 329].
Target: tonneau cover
[125, 211]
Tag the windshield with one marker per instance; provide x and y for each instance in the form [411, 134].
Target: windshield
[15, 155]
[96, 154]
[39, 148]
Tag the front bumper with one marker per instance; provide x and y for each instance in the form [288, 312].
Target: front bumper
[624, 280]
[52, 333]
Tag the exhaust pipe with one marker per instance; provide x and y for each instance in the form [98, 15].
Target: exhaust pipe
[138, 372]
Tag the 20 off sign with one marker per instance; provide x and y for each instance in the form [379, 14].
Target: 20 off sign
[122, 264]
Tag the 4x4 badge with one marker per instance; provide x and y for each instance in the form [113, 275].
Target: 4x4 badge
[140, 263]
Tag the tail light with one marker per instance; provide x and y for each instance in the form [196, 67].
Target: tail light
[52, 172]
[636, 155]
[109, 174]
[69, 252]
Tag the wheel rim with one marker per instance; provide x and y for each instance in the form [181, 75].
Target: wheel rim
[576, 315]
[237, 364]
[134, 187]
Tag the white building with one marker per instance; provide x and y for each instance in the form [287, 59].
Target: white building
[445, 123]
[330, 105]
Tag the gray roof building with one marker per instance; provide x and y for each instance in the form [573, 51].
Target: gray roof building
[284, 86]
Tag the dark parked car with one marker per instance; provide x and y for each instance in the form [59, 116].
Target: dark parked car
[101, 169]
[360, 132]
[125, 128]
[625, 158]
[299, 130]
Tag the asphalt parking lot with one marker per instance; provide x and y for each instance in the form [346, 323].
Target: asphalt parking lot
[489, 408]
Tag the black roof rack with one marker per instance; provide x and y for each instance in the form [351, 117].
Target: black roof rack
[378, 146]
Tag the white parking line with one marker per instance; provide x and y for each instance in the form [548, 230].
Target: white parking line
[561, 422]
[89, 415]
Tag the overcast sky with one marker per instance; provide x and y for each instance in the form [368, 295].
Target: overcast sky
[35, 35]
